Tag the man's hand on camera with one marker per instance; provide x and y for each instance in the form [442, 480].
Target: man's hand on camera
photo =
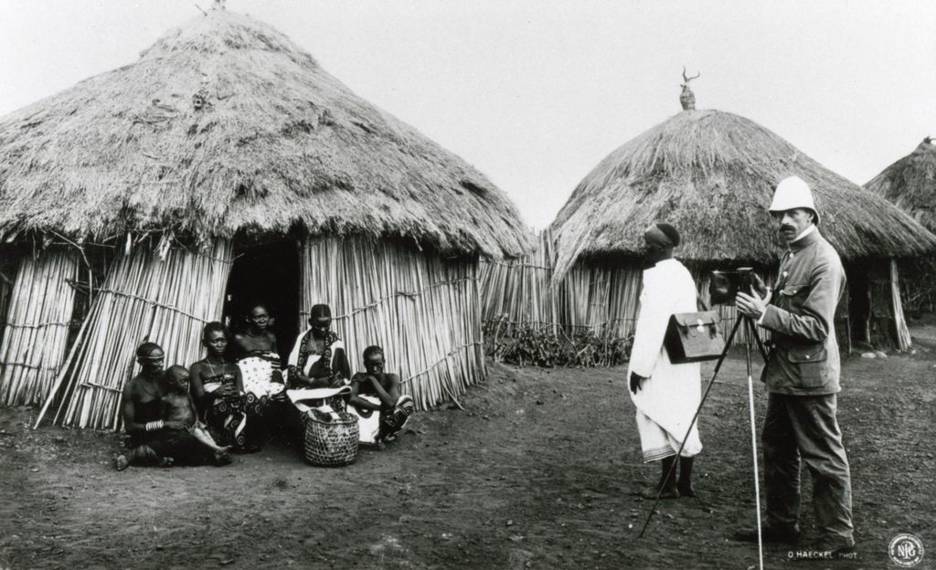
[752, 305]
[635, 382]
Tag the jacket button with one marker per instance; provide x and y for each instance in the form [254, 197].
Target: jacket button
[807, 357]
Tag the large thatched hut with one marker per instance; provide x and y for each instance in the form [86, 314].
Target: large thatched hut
[910, 184]
[712, 174]
[226, 166]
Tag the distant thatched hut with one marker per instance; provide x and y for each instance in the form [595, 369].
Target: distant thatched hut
[226, 165]
[711, 174]
[910, 184]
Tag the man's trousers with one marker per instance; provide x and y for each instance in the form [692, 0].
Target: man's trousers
[805, 426]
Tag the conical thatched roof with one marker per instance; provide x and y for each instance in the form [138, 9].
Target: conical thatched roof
[279, 142]
[910, 184]
[711, 174]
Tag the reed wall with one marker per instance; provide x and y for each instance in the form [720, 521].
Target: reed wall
[423, 310]
[36, 331]
[161, 296]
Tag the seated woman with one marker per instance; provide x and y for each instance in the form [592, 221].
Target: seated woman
[257, 339]
[377, 391]
[153, 440]
[218, 390]
[318, 360]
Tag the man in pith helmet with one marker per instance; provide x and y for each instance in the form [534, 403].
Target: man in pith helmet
[802, 378]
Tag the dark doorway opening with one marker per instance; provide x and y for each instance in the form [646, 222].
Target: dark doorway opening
[267, 274]
[859, 302]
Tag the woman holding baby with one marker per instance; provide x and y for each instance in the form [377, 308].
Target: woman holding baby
[160, 419]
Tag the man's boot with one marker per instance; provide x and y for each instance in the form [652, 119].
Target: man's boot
[685, 477]
[667, 484]
[785, 535]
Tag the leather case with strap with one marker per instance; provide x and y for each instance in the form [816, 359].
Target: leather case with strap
[694, 337]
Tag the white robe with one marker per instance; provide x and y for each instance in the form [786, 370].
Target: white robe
[666, 401]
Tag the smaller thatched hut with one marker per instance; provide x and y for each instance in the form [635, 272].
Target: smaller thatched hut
[712, 174]
[910, 184]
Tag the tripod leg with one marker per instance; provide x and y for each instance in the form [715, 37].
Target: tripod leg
[682, 444]
[750, 382]
[760, 343]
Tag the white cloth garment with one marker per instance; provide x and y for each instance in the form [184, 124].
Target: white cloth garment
[666, 401]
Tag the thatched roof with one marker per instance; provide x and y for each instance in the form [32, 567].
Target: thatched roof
[279, 143]
[910, 184]
[711, 174]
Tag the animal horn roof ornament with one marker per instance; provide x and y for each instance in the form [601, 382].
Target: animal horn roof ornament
[687, 97]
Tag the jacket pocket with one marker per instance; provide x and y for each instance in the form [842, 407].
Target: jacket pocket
[793, 295]
[811, 363]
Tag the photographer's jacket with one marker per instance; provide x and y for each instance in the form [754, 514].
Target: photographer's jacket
[801, 316]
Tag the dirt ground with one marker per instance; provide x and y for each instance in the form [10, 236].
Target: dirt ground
[538, 471]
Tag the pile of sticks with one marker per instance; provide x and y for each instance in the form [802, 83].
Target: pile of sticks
[37, 326]
[146, 296]
[422, 309]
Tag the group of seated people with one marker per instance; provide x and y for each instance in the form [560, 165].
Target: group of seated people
[239, 395]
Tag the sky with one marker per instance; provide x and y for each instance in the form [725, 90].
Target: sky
[535, 93]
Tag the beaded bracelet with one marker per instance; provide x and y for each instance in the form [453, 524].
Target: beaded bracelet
[153, 426]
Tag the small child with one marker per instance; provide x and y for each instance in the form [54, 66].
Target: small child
[178, 409]
[377, 391]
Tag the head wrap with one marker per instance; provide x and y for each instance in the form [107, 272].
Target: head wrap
[662, 235]
[320, 312]
[144, 351]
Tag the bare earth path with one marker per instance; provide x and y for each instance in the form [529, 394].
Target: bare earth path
[537, 472]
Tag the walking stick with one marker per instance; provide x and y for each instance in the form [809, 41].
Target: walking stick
[749, 328]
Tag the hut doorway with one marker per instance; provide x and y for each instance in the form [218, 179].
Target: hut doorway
[859, 302]
[267, 274]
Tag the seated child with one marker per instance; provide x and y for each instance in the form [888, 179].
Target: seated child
[377, 391]
[179, 412]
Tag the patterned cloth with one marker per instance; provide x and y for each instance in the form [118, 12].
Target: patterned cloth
[331, 361]
[225, 416]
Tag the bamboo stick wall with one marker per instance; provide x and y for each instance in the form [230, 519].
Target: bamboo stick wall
[602, 299]
[517, 292]
[422, 309]
[593, 295]
[144, 298]
[34, 338]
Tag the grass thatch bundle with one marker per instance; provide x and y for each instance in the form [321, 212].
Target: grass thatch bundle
[145, 297]
[225, 125]
[910, 184]
[34, 336]
[423, 309]
[711, 174]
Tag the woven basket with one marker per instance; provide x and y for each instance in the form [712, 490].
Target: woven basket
[331, 443]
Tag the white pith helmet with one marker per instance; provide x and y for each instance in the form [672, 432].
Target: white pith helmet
[793, 192]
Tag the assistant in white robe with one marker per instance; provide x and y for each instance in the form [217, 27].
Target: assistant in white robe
[668, 399]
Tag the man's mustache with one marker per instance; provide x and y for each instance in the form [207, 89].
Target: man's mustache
[787, 227]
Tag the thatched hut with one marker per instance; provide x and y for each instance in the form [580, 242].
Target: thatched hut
[711, 174]
[910, 184]
[225, 165]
